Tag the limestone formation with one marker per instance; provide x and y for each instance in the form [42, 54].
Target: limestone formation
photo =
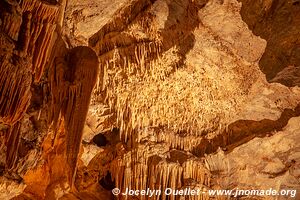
[72, 81]
[148, 94]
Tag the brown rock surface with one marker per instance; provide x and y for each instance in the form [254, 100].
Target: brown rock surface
[162, 94]
[277, 21]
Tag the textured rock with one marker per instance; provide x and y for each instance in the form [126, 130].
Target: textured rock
[89, 153]
[187, 95]
[269, 162]
[10, 189]
[84, 18]
[163, 94]
[277, 21]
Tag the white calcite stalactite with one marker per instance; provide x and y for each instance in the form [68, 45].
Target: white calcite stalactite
[143, 168]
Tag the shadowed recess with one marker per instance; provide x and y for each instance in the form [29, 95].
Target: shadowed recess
[100, 140]
[106, 182]
[243, 131]
[278, 22]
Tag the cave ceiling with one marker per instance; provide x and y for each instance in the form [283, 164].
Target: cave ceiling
[149, 94]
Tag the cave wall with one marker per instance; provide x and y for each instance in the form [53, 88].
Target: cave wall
[277, 21]
[147, 93]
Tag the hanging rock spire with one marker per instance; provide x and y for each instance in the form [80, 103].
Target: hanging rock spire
[72, 82]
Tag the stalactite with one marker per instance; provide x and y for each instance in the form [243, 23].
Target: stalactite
[11, 19]
[175, 140]
[58, 68]
[83, 64]
[72, 80]
[15, 90]
[40, 25]
[30, 23]
[12, 144]
[144, 167]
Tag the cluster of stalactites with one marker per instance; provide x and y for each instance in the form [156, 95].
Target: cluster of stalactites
[39, 22]
[15, 91]
[12, 143]
[147, 91]
[127, 68]
[30, 25]
[120, 61]
[11, 19]
[142, 168]
[186, 143]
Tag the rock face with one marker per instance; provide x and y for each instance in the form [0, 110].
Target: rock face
[277, 21]
[82, 19]
[273, 166]
[25, 47]
[147, 94]
[72, 82]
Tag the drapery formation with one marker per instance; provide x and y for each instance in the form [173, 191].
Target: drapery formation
[12, 143]
[38, 27]
[15, 89]
[27, 29]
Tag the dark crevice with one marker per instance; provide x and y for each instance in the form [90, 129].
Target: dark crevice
[279, 24]
[100, 140]
[50, 2]
[22, 43]
[178, 156]
[296, 3]
[106, 182]
[2, 170]
[242, 131]
[37, 98]
[25, 146]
